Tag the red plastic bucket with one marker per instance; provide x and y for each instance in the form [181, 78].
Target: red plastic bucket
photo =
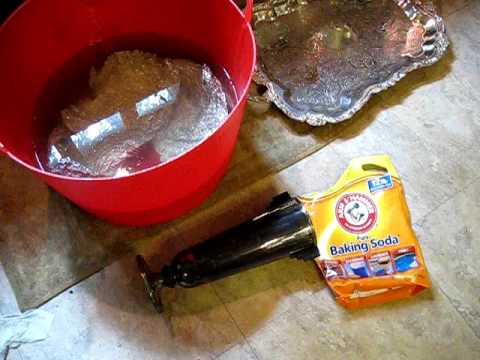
[42, 35]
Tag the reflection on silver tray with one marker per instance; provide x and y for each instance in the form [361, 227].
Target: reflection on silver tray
[321, 60]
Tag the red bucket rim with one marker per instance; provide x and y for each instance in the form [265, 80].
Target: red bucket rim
[241, 99]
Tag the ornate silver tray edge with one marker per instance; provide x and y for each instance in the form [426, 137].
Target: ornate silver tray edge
[437, 50]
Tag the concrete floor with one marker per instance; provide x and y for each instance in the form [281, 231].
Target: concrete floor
[430, 126]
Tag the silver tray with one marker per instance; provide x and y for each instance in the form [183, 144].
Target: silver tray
[321, 60]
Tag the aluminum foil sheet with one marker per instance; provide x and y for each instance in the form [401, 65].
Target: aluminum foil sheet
[321, 60]
[140, 110]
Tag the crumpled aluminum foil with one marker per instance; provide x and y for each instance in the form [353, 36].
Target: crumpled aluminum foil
[322, 60]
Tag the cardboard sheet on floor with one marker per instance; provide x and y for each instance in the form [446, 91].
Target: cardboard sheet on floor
[47, 244]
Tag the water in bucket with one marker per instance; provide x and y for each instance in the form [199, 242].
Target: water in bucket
[127, 111]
